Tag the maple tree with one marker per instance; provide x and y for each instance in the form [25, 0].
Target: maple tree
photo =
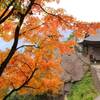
[37, 69]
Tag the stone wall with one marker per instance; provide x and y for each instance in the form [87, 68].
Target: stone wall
[74, 70]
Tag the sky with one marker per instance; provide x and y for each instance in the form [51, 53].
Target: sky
[4, 45]
[83, 10]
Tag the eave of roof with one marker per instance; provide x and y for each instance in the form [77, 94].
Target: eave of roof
[94, 38]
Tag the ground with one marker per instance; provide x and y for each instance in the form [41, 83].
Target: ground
[84, 89]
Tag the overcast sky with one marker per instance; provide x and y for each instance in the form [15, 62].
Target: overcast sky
[85, 10]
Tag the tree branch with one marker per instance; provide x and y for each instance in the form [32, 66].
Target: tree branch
[31, 45]
[13, 49]
[16, 37]
[9, 14]
[67, 24]
[21, 85]
[45, 10]
[58, 16]
[26, 86]
[24, 63]
[33, 28]
[7, 9]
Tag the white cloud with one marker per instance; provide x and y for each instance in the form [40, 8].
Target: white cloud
[85, 10]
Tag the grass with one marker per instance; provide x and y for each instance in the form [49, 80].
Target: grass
[83, 90]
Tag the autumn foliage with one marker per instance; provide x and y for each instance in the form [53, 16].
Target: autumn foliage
[37, 69]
